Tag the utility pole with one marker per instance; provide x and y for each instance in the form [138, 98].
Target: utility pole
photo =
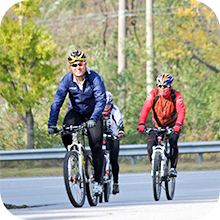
[121, 35]
[20, 17]
[149, 43]
[121, 46]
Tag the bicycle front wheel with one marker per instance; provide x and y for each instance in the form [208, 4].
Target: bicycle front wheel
[74, 182]
[157, 179]
[170, 183]
[92, 199]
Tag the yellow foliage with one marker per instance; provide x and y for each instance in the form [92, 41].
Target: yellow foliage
[197, 74]
[177, 50]
[164, 54]
[187, 12]
[195, 3]
[171, 55]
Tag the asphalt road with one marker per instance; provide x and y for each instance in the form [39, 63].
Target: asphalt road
[196, 197]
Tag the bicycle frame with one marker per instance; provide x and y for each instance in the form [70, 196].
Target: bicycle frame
[106, 172]
[77, 146]
[162, 149]
[106, 177]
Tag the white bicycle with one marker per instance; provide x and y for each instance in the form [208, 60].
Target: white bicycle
[78, 168]
[161, 164]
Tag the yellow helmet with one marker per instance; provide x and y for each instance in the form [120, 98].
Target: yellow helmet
[75, 56]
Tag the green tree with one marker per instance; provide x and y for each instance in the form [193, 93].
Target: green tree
[26, 73]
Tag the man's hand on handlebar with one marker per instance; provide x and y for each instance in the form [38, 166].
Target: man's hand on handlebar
[91, 123]
[52, 129]
[177, 127]
[141, 127]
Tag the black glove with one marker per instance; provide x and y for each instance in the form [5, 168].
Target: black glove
[51, 129]
[90, 123]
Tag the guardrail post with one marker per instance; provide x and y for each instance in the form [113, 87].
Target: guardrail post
[133, 161]
[200, 157]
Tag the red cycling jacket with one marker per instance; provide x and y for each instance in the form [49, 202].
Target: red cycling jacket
[165, 111]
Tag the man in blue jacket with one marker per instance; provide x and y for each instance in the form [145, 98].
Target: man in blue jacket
[88, 98]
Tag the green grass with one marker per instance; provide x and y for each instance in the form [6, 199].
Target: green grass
[55, 167]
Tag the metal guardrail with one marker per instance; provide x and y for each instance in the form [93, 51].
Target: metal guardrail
[125, 150]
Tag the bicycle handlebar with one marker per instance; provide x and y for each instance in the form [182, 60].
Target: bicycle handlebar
[111, 136]
[71, 128]
[166, 130]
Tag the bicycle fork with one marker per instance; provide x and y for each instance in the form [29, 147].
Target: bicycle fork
[81, 162]
[159, 149]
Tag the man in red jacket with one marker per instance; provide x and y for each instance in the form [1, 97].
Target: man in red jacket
[168, 110]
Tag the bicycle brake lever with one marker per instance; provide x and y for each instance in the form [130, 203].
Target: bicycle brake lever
[147, 130]
[84, 125]
[169, 130]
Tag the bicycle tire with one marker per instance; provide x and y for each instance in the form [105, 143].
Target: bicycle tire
[157, 180]
[170, 183]
[92, 199]
[75, 185]
[107, 187]
[100, 198]
[107, 191]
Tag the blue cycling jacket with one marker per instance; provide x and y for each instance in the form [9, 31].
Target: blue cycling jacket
[90, 100]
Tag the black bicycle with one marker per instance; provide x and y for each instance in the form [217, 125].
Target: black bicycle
[78, 168]
[107, 170]
[161, 164]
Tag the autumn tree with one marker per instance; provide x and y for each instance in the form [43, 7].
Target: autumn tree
[187, 46]
[191, 30]
[26, 73]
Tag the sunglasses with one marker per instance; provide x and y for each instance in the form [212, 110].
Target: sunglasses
[78, 64]
[108, 104]
[163, 86]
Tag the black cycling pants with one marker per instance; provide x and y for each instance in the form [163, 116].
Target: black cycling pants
[174, 152]
[95, 136]
[114, 151]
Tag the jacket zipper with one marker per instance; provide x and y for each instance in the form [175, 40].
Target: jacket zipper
[82, 101]
[163, 111]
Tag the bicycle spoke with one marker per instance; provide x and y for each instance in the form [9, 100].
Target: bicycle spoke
[75, 184]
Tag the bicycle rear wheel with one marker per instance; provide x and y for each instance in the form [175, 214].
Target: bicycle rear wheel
[75, 184]
[170, 183]
[157, 179]
[107, 191]
[107, 187]
[92, 199]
